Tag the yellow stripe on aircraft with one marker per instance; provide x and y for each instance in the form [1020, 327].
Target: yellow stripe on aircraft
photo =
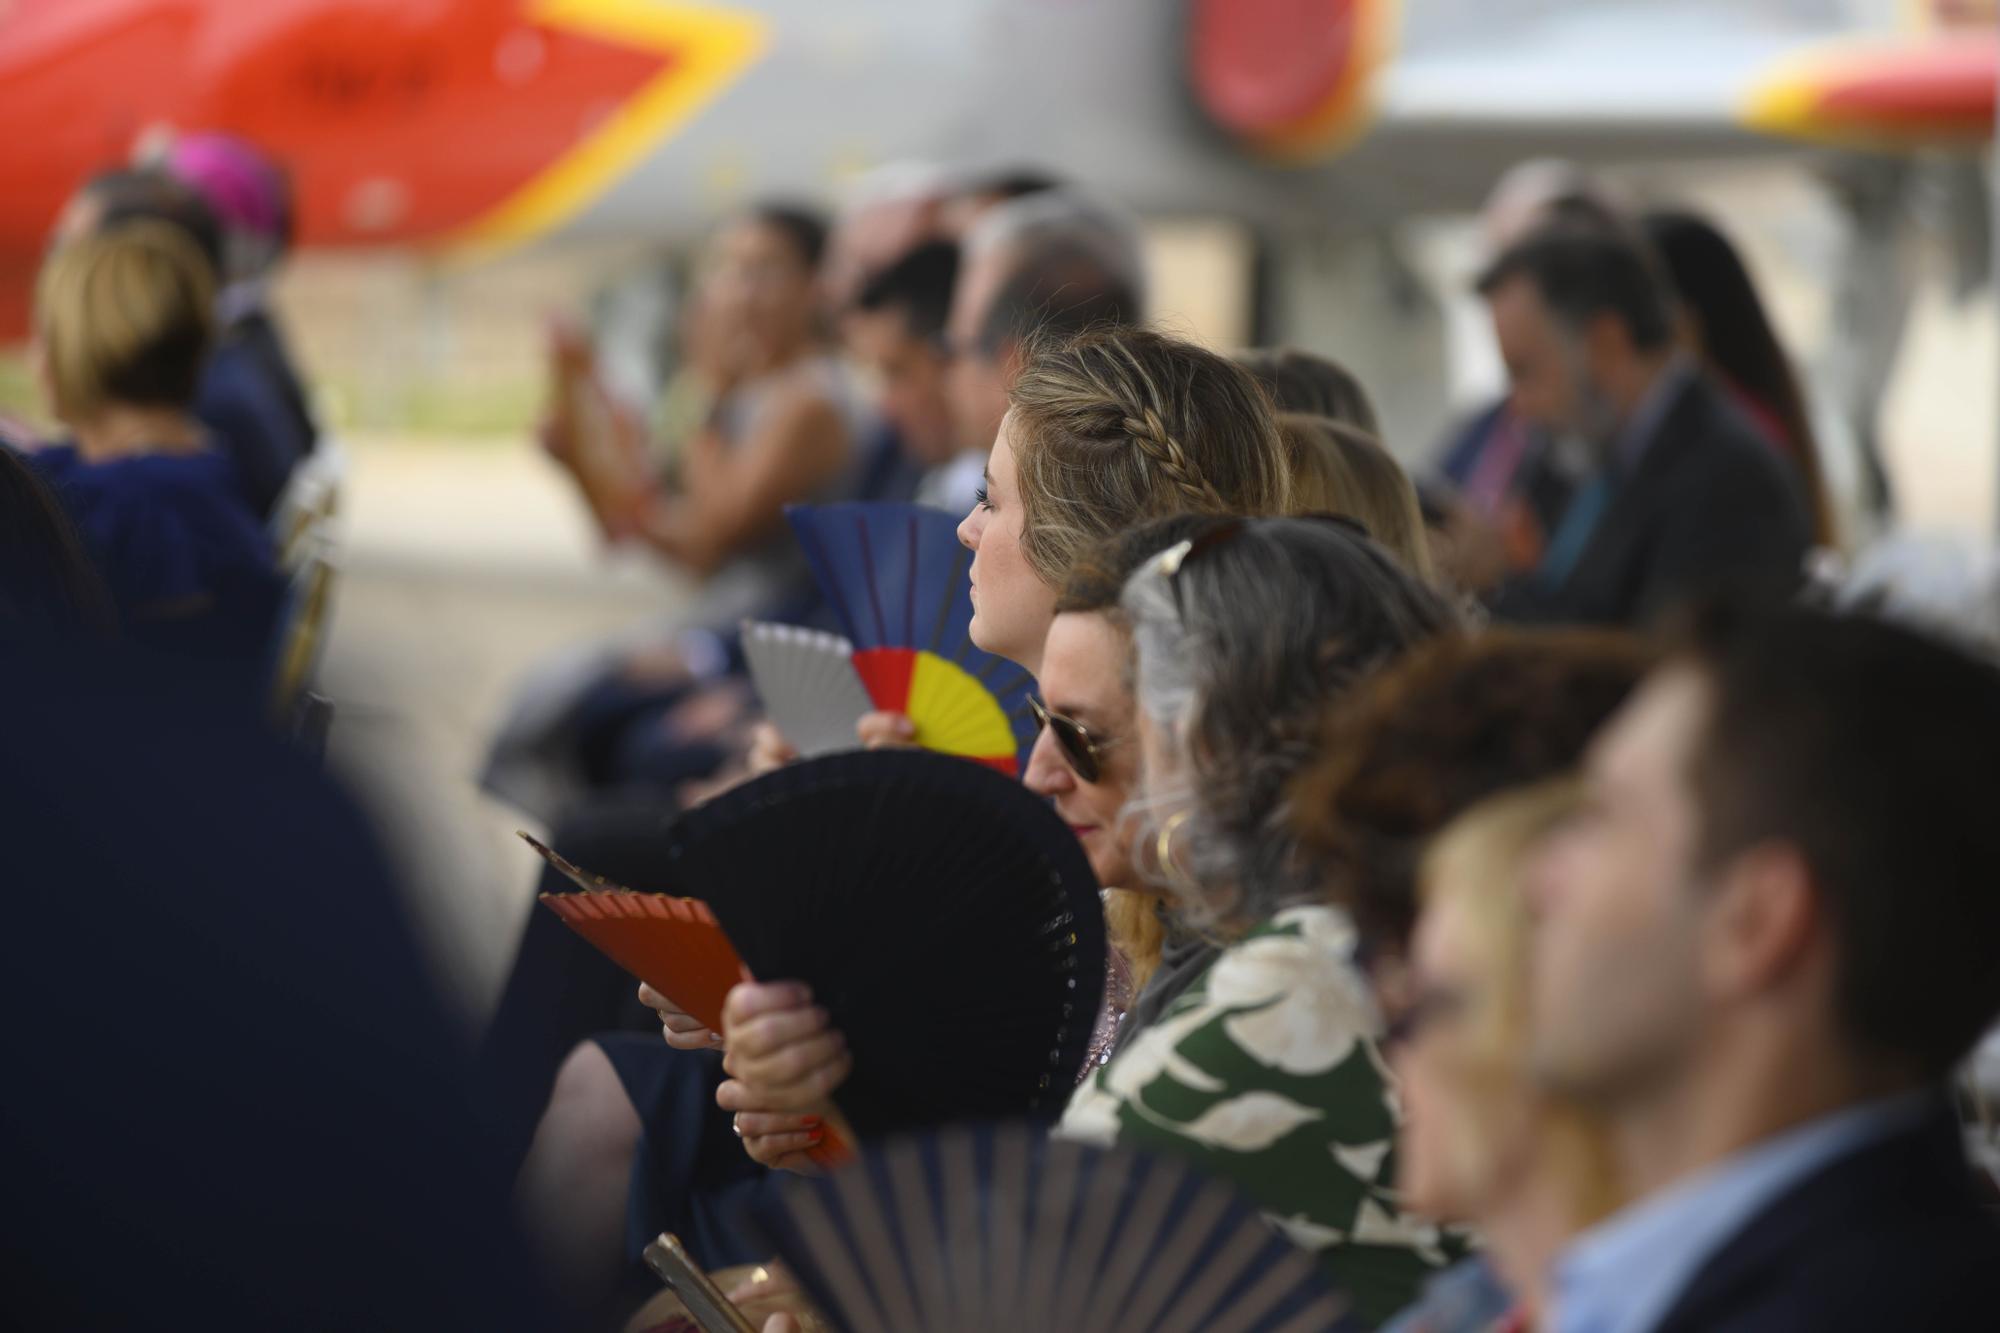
[709, 49]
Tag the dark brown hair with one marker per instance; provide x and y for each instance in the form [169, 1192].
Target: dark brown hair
[1453, 722]
[1313, 385]
[1871, 750]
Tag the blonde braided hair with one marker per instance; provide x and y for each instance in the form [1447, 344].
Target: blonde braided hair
[1151, 435]
[1116, 426]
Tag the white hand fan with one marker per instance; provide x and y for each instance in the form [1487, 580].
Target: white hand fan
[807, 681]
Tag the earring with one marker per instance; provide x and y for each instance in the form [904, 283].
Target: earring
[1163, 847]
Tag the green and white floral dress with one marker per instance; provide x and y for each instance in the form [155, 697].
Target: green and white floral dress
[1267, 1072]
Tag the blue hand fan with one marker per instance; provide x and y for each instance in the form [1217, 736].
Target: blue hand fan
[978, 1228]
[896, 577]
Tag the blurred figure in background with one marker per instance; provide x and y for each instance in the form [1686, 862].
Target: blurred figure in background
[1338, 469]
[236, 398]
[780, 428]
[123, 323]
[1724, 323]
[885, 214]
[1456, 721]
[1761, 950]
[1479, 1144]
[1683, 493]
[1312, 385]
[1503, 480]
[895, 333]
[979, 193]
[1042, 266]
[784, 422]
[251, 197]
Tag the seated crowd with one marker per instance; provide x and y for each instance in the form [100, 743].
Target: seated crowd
[1522, 888]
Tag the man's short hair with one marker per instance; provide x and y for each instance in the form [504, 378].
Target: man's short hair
[803, 226]
[918, 286]
[1873, 750]
[1584, 269]
[1056, 294]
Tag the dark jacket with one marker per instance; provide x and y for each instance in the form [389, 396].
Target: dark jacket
[1891, 1237]
[1707, 506]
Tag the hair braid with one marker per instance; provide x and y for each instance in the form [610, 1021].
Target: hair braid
[1165, 452]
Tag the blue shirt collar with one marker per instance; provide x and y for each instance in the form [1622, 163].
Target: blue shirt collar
[1624, 1275]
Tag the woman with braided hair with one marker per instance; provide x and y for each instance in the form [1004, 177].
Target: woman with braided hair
[1105, 431]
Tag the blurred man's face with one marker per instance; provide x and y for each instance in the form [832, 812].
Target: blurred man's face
[910, 374]
[977, 382]
[1617, 993]
[1548, 366]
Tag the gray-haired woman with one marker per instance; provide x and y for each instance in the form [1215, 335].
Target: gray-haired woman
[1265, 1069]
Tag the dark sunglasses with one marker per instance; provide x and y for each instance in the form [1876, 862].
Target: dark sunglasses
[1081, 751]
[1178, 557]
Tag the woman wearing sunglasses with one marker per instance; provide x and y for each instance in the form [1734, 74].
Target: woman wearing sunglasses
[1105, 431]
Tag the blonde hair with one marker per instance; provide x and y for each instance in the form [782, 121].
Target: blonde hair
[1132, 919]
[1476, 865]
[124, 316]
[1117, 426]
[1337, 469]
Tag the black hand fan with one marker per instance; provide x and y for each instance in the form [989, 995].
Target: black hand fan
[897, 577]
[1002, 1228]
[943, 915]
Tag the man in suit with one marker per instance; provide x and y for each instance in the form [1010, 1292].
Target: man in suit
[1681, 494]
[1762, 948]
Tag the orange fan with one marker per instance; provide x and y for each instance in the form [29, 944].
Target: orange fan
[896, 576]
[672, 944]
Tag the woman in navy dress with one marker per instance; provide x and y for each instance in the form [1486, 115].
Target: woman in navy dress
[124, 324]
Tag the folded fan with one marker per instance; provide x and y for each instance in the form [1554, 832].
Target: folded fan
[998, 1228]
[673, 944]
[896, 577]
[944, 917]
[808, 684]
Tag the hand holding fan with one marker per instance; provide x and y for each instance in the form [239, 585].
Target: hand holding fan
[896, 576]
[807, 681]
[672, 944]
[1001, 1228]
[942, 914]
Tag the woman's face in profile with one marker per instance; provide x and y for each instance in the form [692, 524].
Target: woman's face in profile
[1467, 1105]
[1012, 607]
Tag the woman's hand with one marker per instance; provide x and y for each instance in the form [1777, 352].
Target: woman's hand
[779, 1140]
[683, 1031]
[782, 1051]
[772, 1293]
[787, 1066]
[886, 731]
[769, 750]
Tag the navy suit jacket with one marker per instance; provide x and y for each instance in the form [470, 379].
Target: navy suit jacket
[1708, 506]
[1892, 1237]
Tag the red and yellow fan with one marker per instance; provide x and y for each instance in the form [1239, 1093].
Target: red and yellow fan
[896, 576]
